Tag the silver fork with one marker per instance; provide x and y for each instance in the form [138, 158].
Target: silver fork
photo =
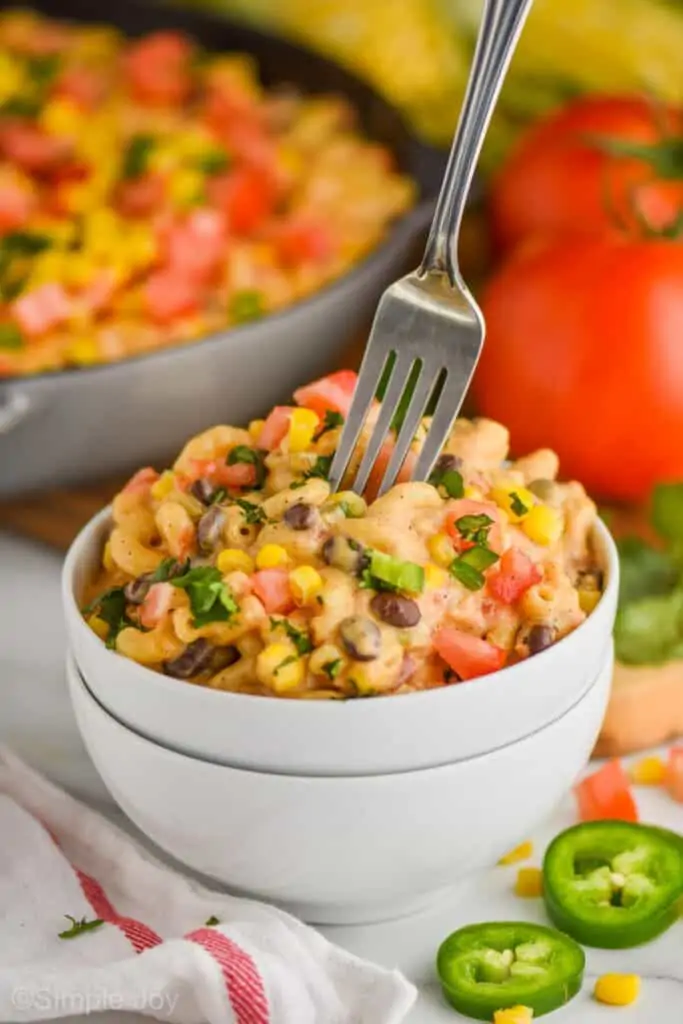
[428, 323]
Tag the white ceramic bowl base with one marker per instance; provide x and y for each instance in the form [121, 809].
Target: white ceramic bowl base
[341, 850]
[356, 737]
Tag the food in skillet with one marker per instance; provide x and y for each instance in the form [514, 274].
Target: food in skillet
[237, 568]
[152, 193]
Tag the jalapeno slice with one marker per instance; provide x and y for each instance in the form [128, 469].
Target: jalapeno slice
[487, 967]
[613, 884]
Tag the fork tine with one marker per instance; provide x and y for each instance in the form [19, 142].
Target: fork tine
[369, 376]
[424, 387]
[392, 396]
[447, 408]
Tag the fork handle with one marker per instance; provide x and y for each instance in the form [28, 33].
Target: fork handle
[501, 24]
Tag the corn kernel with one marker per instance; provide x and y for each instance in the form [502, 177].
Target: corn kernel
[305, 583]
[516, 501]
[521, 852]
[514, 1015]
[162, 487]
[107, 559]
[234, 560]
[617, 989]
[99, 626]
[256, 429]
[588, 599]
[326, 660]
[473, 493]
[543, 525]
[186, 187]
[650, 771]
[84, 352]
[353, 504]
[441, 549]
[278, 667]
[435, 576]
[359, 678]
[529, 883]
[12, 77]
[303, 424]
[79, 269]
[140, 246]
[61, 116]
[271, 556]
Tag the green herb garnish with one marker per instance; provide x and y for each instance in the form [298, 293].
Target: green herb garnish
[246, 306]
[168, 569]
[320, 468]
[213, 162]
[211, 921]
[211, 599]
[289, 660]
[79, 927]
[24, 243]
[388, 573]
[42, 69]
[469, 567]
[451, 481]
[253, 514]
[110, 606]
[299, 637]
[332, 668]
[517, 505]
[253, 457]
[331, 421]
[136, 157]
[219, 495]
[21, 106]
[474, 528]
[10, 336]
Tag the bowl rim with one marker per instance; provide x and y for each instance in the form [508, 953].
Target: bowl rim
[75, 677]
[74, 559]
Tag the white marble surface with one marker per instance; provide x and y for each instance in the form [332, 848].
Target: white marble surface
[35, 718]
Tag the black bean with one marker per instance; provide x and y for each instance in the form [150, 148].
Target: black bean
[396, 610]
[196, 657]
[539, 638]
[301, 516]
[223, 657]
[136, 591]
[361, 637]
[447, 462]
[346, 554]
[210, 529]
[203, 490]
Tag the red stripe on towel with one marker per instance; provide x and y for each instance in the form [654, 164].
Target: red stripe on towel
[242, 979]
[138, 934]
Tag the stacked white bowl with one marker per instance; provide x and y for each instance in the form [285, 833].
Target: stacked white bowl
[340, 811]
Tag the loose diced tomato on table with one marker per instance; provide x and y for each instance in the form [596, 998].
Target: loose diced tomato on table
[513, 576]
[333, 393]
[469, 656]
[606, 795]
[272, 588]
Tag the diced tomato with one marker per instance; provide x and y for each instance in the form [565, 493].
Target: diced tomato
[42, 309]
[99, 293]
[469, 656]
[85, 86]
[195, 247]
[158, 69]
[247, 197]
[16, 205]
[513, 576]
[673, 779]
[169, 295]
[606, 795]
[32, 149]
[140, 196]
[241, 474]
[141, 481]
[275, 427]
[468, 507]
[272, 588]
[156, 604]
[333, 393]
[303, 242]
[381, 462]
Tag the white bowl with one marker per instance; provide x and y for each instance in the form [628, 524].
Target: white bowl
[341, 850]
[356, 737]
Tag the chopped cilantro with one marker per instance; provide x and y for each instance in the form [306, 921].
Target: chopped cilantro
[110, 606]
[253, 457]
[213, 162]
[332, 668]
[43, 68]
[136, 156]
[451, 481]
[211, 600]
[517, 505]
[78, 927]
[246, 306]
[474, 528]
[253, 514]
[320, 468]
[289, 660]
[331, 421]
[24, 243]
[10, 336]
[211, 921]
[299, 638]
[219, 495]
[169, 568]
[21, 106]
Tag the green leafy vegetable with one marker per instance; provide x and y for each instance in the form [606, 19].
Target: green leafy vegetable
[253, 514]
[332, 668]
[469, 567]
[331, 421]
[79, 927]
[517, 505]
[246, 306]
[213, 162]
[211, 600]
[136, 156]
[24, 243]
[388, 573]
[110, 606]
[474, 528]
[320, 468]
[21, 106]
[42, 69]
[218, 496]
[299, 637]
[10, 336]
[169, 568]
[211, 921]
[251, 456]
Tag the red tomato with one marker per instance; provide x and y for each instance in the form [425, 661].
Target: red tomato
[674, 774]
[513, 576]
[16, 205]
[468, 507]
[241, 474]
[140, 196]
[156, 604]
[195, 247]
[469, 656]
[245, 195]
[606, 795]
[381, 462]
[583, 355]
[560, 180]
[141, 481]
[303, 242]
[158, 69]
[272, 588]
[329, 394]
[30, 148]
[275, 427]
[85, 86]
[99, 293]
[42, 309]
[169, 295]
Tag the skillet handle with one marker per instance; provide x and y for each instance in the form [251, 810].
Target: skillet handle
[14, 408]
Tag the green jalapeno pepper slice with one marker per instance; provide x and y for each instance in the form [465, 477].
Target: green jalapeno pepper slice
[487, 967]
[613, 884]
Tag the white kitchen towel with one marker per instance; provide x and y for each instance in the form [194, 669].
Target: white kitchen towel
[156, 951]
